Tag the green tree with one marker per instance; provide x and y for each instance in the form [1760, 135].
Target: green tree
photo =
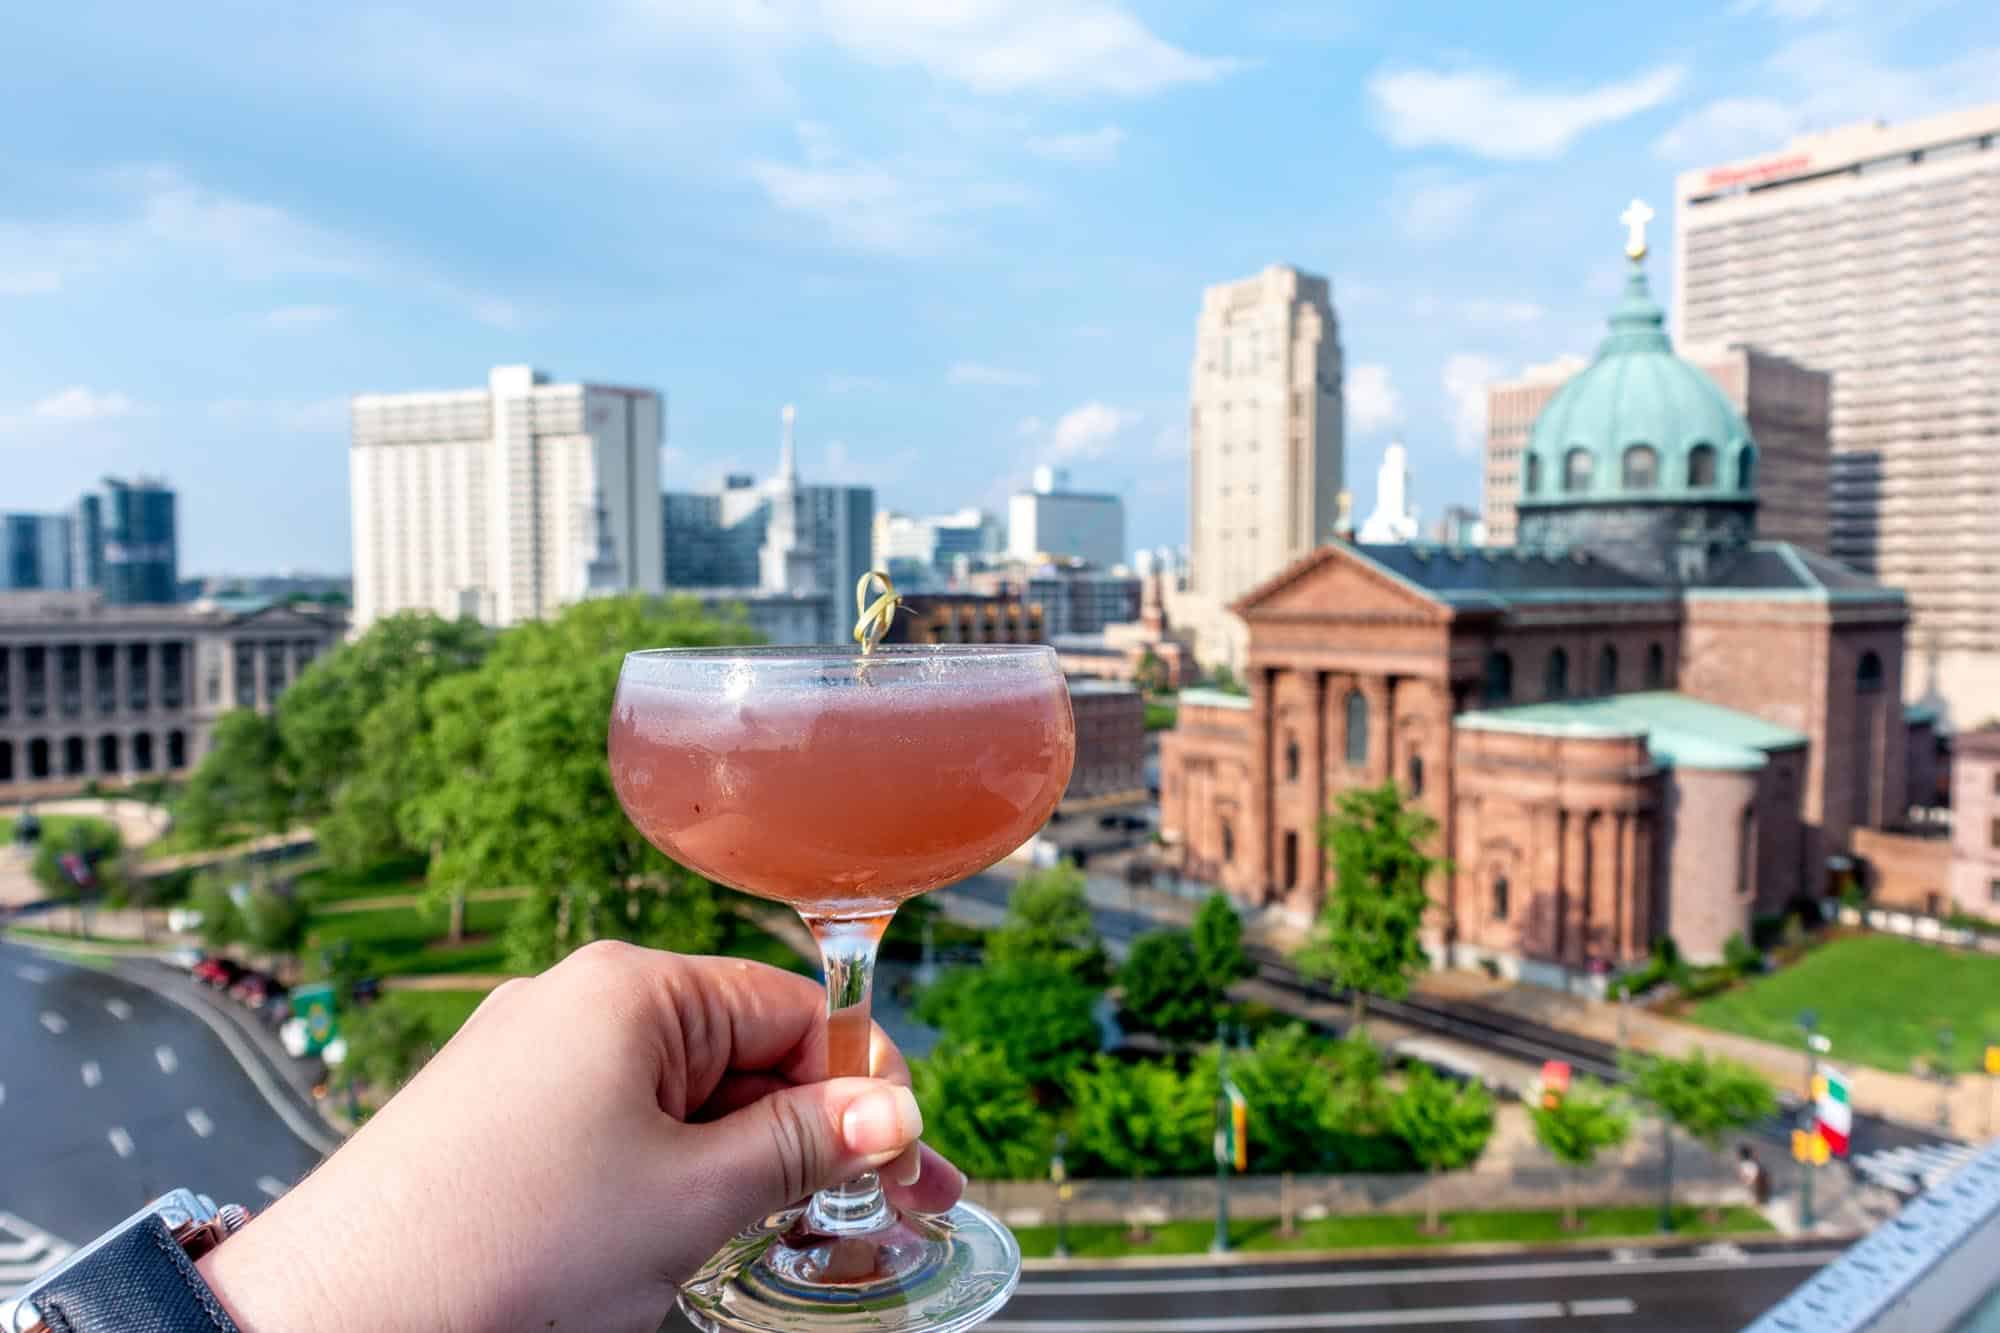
[1575, 1126]
[676, 910]
[243, 780]
[98, 846]
[1140, 1120]
[1043, 1018]
[1369, 937]
[980, 1111]
[1151, 673]
[518, 792]
[320, 716]
[1314, 1105]
[272, 921]
[212, 899]
[1165, 990]
[1707, 1098]
[386, 1045]
[1218, 943]
[1445, 1123]
[1048, 920]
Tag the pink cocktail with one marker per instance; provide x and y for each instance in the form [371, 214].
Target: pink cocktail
[843, 784]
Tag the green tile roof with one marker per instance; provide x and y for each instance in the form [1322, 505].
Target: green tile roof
[1679, 730]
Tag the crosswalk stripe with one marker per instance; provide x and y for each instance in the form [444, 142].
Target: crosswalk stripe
[118, 1009]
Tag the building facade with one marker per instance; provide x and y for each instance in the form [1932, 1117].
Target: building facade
[1785, 406]
[1640, 722]
[37, 551]
[966, 617]
[1868, 251]
[1110, 742]
[1265, 443]
[1975, 823]
[135, 542]
[1150, 652]
[925, 551]
[1053, 522]
[493, 502]
[93, 691]
[1392, 519]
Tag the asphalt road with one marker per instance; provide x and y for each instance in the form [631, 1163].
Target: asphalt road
[1684, 1289]
[111, 1095]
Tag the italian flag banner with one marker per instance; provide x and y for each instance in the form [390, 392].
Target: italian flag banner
[1833, 1110]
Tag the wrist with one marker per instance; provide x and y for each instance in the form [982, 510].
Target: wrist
[271, 1283]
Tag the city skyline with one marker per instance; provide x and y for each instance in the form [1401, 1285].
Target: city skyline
[962, 294]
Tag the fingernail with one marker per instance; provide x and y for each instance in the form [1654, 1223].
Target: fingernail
[880, 1121]
[907, 1168]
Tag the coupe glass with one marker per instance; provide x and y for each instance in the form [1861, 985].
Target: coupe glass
[842, 784]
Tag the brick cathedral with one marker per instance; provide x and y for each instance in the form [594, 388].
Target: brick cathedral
[1640, 721]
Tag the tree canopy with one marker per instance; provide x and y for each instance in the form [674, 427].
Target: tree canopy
[1140, 1120]
[1369, 937]
[1576, 1125]
[1165, 991]
[1218, 943]
[980, 1111]
[1706, 1096]
[1042, 1017]
[1048, 920]
[1314, 1105]
[245, 780]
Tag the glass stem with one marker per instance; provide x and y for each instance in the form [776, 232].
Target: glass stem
[847, 948]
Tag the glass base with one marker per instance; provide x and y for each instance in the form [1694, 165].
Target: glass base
[919, 1274]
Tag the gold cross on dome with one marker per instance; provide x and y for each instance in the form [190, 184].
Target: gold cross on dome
[1635, 217]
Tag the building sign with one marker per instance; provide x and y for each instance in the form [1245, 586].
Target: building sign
[1757, 172]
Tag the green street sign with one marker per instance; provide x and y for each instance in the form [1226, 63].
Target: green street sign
[314, 1007]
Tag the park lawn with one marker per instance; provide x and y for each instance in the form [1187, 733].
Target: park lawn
[384, 879]
[1881, 1000]
[55, 828]
[1387, 1231]
[404, 940]
[443, 1011]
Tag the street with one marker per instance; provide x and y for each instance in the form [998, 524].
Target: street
[111, 1095]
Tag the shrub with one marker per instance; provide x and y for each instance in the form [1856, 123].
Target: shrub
[1740, 958]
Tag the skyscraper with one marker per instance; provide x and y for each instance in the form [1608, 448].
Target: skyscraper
[1053, 521]
[1784, 403]
[1265, 434]
[486, 502]
[37, 551]
[139, 551]
[1869, 251]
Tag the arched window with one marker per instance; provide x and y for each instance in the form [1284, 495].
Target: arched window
[1868, 675]
[1642, 468]
[1607, 670]
[1534, 483]
[38, 758]
[1228, 844]
[177, 749]
[1656, 667]
[1576, 470]
[1291, 859]
[142, 752]
[1701, 467]
[1416, 775]
[1746, 853]
[1291, 759]
[6, 761]
[1556, 686]
[1499, 686]
[73, 757]
[107, 755]
[1746, 469]
[1357, 730]
[1500, 904]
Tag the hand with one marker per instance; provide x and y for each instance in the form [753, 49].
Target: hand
[583, 1145]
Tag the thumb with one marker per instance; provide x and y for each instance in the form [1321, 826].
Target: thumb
[788, 1144]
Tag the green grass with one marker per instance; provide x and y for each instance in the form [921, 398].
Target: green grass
[1881, 1000]
[403, 940]
[1386, 1231]
[55, 828]
[1161, 714]
[444, 1010]
[384, 879]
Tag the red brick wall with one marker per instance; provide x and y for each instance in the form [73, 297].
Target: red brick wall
[1782, 871]
[1906, 872]
[1975, 806]
[1204, 787]
[1714, 890]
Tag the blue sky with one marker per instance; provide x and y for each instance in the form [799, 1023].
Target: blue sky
[964, 236]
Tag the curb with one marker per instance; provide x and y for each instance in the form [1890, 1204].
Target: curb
[1471, 1250]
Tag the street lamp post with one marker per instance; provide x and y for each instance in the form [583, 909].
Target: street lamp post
[1945, 1037]
[1816, 1045]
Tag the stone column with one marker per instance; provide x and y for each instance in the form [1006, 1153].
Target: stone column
[1576, 885]
[1643, 911]
[1375, 692]
[1621, 880]
[262, 698]
[121, 680]
[1314, 878]
[155, 678]
[1466, 905]
[1257, 833]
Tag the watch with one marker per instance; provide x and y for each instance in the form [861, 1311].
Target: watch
[138, 1277]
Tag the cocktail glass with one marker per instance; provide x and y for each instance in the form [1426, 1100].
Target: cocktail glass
[842, 784]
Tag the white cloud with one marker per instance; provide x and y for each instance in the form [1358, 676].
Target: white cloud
[79, 404]
[1084, 148]
[974, 372]
[1058, 47]
[301, 316]
[1372, 400]
[1087, 431]
[29, 281]
[1466, 376]
[1825, 78]
[1489, 113]
[900, 209]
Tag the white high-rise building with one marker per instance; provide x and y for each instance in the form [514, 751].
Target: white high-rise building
[1053, 522]
[504, 503]
[1265, 444]
[1869, 251]
[1393, 521]
[922, 551]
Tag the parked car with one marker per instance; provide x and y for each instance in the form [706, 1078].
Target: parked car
[220, 973]
[257, 988]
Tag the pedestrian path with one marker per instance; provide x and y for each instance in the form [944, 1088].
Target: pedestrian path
[26, 1252]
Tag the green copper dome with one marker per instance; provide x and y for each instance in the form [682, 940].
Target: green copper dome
[1638, 425]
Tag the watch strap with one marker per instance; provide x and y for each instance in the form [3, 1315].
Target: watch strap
[140, 1281]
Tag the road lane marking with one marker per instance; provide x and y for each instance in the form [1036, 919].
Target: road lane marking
[199, 1122]
[32, 972]
[169, 1062]
[271, 1185]
[1264, 1280]
[1258, 1323]
[1612, 1305]
[3, 1094]
[118, 1009]
[92, 1074]
[31, 1253]
[54, 1021]
[121, 1142]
